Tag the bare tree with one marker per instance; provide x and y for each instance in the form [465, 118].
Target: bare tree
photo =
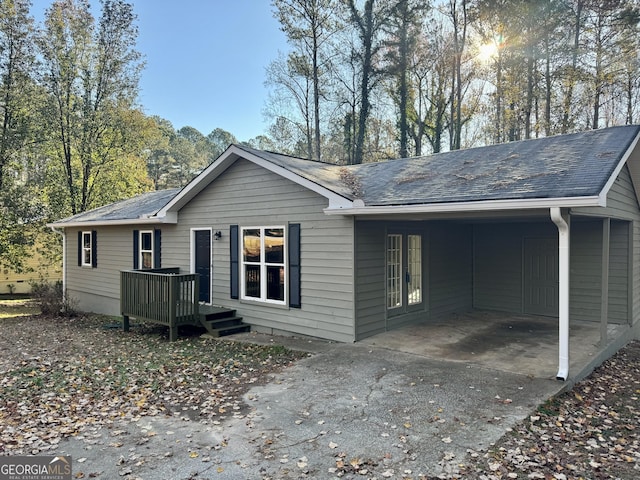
[368, 22]
[309, 24]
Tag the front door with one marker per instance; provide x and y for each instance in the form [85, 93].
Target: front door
[202, 263]
[541, 276]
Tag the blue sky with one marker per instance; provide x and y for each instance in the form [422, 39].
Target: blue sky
[205, 61]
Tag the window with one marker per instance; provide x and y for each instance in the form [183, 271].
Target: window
[87, 250]
[264, 267]
[404, 271]
[414, 269]
[146, 249]
[394, 271]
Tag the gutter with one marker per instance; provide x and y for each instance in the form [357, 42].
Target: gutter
[359, 208]
[562, 222]
[170, 218]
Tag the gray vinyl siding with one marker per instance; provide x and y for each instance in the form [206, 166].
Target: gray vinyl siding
[498, 263]
[370, 279]
[586, 270]
[250, 196]
[98, 289]
[450, 269]
[622, 204]
[497, 268]
[619, 272]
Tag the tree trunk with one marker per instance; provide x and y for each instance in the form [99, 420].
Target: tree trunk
[316, 99]
[366, 27]
[573, 71]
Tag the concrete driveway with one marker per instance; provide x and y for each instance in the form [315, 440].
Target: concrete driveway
[390, 413]
[404, 404]
[393, 413]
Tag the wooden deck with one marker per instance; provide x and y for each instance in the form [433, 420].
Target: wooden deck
[167, 297]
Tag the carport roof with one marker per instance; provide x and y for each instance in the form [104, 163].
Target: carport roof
[573, 166]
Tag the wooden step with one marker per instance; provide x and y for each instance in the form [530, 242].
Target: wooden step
[220, 321]
[211, 313]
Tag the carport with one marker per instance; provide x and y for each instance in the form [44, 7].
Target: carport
[547, 227]
[495, 292]
[515, 343]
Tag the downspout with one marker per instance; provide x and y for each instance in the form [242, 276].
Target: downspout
[64, 260]
[562, 223]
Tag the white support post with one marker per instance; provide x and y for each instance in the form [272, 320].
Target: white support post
[562, 222]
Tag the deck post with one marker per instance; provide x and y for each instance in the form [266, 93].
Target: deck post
[125, 323]
[173, 332]
[173, 299]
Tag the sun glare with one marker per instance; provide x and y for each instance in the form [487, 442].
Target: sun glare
[487, 51]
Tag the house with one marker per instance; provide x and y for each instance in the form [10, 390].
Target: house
[36, 268]
[549, 227]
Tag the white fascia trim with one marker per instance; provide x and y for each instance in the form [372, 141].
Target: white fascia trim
[476, 206]
[225, 160]
[616, 172]
[169, 218]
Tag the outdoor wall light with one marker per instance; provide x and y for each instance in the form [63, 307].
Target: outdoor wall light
[217, 235]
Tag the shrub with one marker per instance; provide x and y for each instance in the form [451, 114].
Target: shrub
[51, 300]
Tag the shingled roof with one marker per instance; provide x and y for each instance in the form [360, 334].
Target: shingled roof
[564, 170]
[563, 166]
[136, 209]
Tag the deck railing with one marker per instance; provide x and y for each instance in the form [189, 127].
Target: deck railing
[162, 296]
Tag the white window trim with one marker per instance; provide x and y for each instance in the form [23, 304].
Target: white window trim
[415, 276]
[402, 286]
[89, 249]
[398, 293]
[263, 266]
[141, 250]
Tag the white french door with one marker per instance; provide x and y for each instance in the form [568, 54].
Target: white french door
[404, 272]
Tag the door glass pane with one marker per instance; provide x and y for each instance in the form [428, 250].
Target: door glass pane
[394, 271]
[414, 269]
[251, 245]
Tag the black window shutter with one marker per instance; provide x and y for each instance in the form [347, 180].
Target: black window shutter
[136, 249]
[94, 248]
[157, 248]
[294, 266]
[80, 249]
[233, 251]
